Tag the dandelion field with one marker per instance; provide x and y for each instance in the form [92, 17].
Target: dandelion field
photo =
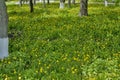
[56, 44]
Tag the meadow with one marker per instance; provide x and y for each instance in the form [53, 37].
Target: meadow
[57, 44]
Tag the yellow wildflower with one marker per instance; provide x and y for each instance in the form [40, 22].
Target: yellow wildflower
[41, 69]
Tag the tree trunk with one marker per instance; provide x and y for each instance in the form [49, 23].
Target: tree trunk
[106, 3]
[34, 2]
[73, 1]
[3, 30]
[83, 8]
[62, 4]
[44, 4]
[48, 1]
[20, 2]
[69, 3]
[31, 6]
[113, 1]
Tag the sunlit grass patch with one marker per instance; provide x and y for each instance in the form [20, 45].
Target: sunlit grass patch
[55, 44]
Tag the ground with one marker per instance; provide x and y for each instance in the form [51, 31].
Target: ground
[57, 44]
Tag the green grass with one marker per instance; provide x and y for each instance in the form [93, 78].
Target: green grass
[57, 44]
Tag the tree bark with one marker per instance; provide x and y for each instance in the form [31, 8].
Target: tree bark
[62, 4]
[106, 3]
[73, 1]
[44, 6]
[69, 3]
[83, 8]
[3, 20]
[48, 1]
[34, 2]
[3, 30]
[31, 6]
[20, 2]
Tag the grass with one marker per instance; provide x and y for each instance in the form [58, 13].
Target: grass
[57, 44]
